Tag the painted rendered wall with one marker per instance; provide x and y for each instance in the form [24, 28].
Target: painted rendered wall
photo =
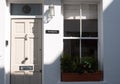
[2, 26]
[52, 43]
[4, 36]
[7, 47]
[111, 26]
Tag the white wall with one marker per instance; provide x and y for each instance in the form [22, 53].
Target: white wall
[52, 44]
[2, 44]
[111, 25]
[7, 33]
[4, 35]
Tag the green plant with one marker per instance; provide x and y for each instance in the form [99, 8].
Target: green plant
[69, 63]
[66, 63]
[76, 65]
[89, 64]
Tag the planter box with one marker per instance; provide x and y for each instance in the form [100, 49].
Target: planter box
[97, 76]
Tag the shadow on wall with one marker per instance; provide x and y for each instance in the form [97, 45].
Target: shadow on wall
[111, 30]
[52, 73]
[6, 2]
[1, 75]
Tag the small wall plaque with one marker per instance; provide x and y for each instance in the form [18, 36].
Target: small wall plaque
[25, 67]
[52, 31]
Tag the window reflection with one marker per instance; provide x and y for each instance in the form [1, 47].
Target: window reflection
[72, 28]
[72, 47]
[89, 48]
[90, 28]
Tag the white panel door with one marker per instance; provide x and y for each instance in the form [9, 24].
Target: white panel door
[26, 55]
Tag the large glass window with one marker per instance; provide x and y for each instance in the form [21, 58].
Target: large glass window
[81, 23]
[81, 42]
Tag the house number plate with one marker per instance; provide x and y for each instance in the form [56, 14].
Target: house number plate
[52, 31]
[25, 67]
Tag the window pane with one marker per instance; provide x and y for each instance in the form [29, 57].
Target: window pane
[89, 48]
[72, 47]
[89, 11]
[71, 11]
[89, 28]
[72, 28]
[26, 9]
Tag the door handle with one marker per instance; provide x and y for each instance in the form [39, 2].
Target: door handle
[24, 60]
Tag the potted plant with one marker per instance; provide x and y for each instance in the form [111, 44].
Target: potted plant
[76, 69]
[70, 64]
[90, 64]
[66, 63]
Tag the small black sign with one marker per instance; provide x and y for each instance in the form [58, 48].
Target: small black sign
[25, 67]
[52, 31]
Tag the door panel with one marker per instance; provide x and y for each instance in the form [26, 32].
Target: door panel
[26, 55]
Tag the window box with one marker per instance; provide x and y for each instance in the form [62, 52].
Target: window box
[73, 70]
[74, 77]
